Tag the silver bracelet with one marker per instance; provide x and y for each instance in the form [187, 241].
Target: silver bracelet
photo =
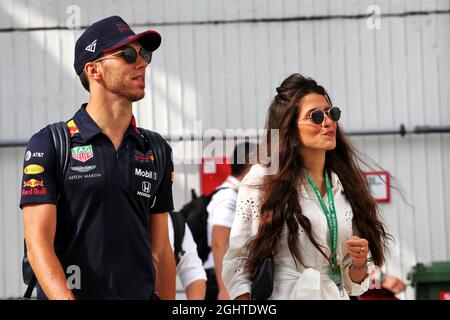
[359, 268]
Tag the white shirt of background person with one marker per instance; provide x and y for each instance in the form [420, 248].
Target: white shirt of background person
[221, 211]
[189, 269]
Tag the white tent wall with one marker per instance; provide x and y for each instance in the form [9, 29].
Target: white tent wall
[219, 64]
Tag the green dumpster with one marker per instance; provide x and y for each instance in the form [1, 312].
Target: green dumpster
[432, 281]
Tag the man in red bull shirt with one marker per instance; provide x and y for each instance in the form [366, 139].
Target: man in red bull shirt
[110, 212]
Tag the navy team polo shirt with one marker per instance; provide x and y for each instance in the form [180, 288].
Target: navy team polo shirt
[104, 208]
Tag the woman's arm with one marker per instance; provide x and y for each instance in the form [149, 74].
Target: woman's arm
[355, 271]
[236, 278]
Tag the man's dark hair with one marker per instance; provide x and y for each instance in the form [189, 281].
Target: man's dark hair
[84, 80]
[241, 155]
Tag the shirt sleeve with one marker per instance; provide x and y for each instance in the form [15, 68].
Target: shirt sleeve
[39, 183]
[353, 289]
[236, 278]
[190, 266]
[164, 200]
[223, 208]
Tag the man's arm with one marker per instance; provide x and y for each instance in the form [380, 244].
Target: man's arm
[219, 244]
[196, 290]
[163, 256]
[190, 268]
[39, 229]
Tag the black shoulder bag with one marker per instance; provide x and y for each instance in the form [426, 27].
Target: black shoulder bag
[262, 284]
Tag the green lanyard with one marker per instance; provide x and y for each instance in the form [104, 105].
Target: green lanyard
[329, 214]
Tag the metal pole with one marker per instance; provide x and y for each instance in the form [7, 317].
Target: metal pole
[191, 137]
[431, 129]
[401, 131]
[13, 143]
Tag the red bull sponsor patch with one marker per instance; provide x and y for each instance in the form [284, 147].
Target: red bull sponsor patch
[33, 183]
[73, 129]
[33, 169]
[37, 192]
[83, 153]
[143, 157]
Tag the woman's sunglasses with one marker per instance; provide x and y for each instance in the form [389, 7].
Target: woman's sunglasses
[317, 116]
[130, 55]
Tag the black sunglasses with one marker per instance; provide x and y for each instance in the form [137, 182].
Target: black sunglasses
[130, 55]
[317, 116]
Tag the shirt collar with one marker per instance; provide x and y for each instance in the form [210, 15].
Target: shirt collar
[87, 129]
[308, 192]
[134, 132]
[234, 181]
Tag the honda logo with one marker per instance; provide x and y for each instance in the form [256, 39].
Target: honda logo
[146, 186]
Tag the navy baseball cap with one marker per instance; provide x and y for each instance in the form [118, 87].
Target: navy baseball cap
[108, 34]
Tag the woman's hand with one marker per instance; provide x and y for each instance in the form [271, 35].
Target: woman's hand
[358, 249]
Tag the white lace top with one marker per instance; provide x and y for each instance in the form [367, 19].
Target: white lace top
[310, 282]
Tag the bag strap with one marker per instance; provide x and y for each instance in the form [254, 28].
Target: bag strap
[179, 229]
[61, 141]
[218, 189]
[30, 287]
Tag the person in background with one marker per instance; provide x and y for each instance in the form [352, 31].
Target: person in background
[221, 211]
[189, 267]
[383, 286]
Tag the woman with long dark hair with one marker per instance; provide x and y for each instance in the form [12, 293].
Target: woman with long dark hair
[315, 215]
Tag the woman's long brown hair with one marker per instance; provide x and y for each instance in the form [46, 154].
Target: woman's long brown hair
[278, 208]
